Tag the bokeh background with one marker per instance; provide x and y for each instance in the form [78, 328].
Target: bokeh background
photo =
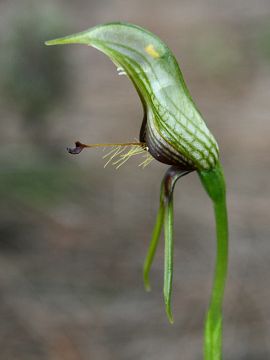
[73, 235]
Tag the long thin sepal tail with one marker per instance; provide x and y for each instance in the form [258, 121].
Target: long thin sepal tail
[153, 244]
[164, 219]
[168, 258]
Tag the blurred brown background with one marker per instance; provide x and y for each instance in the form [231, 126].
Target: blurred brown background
[73, 235]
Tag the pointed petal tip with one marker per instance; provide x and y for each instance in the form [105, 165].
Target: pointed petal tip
[169, 315]
[49, 42]
[168, 309]
[146, 282]
[79, 38]
[147, 287]
[58, 41]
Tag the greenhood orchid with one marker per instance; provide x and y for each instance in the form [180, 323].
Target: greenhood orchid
[174, 133]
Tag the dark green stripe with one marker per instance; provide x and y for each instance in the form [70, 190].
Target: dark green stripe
[168, 98]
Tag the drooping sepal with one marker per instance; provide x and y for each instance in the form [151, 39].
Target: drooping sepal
[164, 219]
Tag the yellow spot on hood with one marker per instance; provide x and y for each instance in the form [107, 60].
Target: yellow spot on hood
[152, 51]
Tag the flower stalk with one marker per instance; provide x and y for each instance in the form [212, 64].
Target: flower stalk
[214, 184]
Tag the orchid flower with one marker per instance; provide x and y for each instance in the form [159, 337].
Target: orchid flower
[173, 132]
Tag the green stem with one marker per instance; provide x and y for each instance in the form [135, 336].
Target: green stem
[214, 184]
[213, 325]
